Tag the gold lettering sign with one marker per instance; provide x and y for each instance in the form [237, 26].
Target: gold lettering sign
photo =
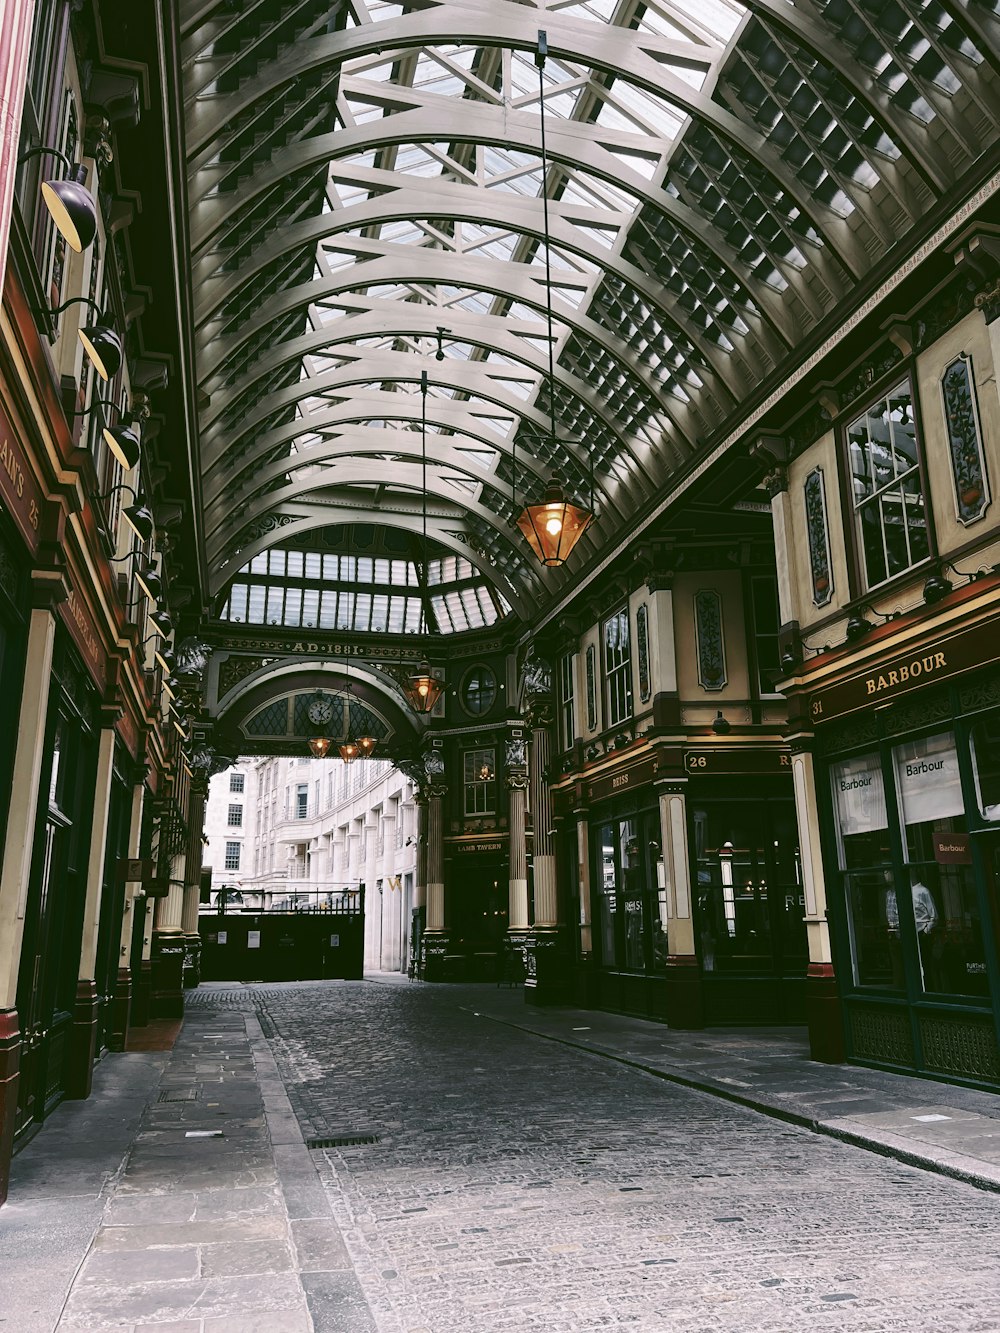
[907, 672]
[18, 487]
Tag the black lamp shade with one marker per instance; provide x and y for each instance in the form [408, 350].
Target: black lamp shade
[161, 622]
[554, 526]
[167, 662]
[123, 441]
[104, 347]
[424, 690]
[935, 588]
[140, 520]
[858, 627]
[72, 208]
[151, 584]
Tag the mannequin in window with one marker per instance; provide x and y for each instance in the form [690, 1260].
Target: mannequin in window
[925, 919]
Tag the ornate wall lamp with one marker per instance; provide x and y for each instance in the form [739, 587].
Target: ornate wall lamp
[101, 340]
[70, 204]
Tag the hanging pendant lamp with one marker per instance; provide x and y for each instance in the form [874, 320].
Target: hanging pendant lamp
[366, 744]
[553, 526]
[349, 751]
[424, 690]
[319, 746]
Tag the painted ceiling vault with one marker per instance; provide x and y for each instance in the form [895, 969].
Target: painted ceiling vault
[364, 203]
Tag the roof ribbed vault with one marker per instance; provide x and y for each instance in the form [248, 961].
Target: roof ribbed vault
[364, 190]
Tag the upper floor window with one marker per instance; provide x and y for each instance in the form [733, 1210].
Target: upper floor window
[887, 488]
[302, 800]
[764, 627]
[567, 678]
[233, 855]
[236, 782]
[235, 819]
[618, 666]
[480, 782]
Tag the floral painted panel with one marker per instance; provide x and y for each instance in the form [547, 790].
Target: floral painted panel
[965, 440]
[711, 646]
[642, 633]
[591, 688]
[818, 536]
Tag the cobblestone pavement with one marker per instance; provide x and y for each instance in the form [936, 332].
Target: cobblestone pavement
[519, 1184]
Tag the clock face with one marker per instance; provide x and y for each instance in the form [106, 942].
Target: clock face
[320, 711]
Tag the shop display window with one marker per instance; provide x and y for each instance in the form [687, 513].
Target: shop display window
[750, 902]
[944, 903]
[631, 914]
[985, 746]
[863, 847]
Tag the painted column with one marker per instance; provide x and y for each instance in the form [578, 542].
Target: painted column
[517, 786]
[15, 41]
[546, 901]
[373, 899]
[86, 1013]
[192, 885]
[134, 902]
[684, 1001]
[16, 866]
[167, 957]
[824, 1016]
[436, 794]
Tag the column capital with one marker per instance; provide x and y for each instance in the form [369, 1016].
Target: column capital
[437, 791]
[517, 779]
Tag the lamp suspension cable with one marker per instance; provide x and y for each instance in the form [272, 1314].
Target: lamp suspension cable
[540, 54]
[553, 526]
[424, 689]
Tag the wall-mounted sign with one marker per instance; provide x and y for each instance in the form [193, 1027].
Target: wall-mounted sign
[253, 939]
[477, 848]
[904, 673]
[222, 937]
[128, 732]
[736, 760]
[133, 870]
[625, 779]
[80, 624]
[156, 888]
[20, 492]
[952, 849]
[334, 941]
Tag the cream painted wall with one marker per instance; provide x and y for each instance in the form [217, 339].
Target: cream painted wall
[728, 585]
[971, 336]
[823, 454]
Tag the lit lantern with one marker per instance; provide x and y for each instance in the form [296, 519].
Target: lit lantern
[554, 526]
[366, 744]
[349, 751]
[424, 690]
[320, 746]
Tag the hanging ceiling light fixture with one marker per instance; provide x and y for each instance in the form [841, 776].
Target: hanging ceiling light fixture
[319, 746]
[319, 711]
[553, 526]
[424, 690]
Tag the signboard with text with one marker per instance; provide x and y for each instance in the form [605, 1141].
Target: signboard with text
[20, 492]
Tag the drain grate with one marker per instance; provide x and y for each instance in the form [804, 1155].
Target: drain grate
[178, 1095]
[344, 1141]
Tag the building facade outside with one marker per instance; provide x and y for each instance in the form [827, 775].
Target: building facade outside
[300, 834]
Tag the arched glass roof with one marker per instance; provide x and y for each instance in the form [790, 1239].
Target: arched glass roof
[364, 188]
[361, 581]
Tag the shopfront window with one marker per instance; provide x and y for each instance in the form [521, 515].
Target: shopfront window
[630, 917]
[750, 901]
[863, 849]
[985, 745]
[938, 856]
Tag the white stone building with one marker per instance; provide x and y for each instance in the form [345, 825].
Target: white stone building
[316, 830]
[231, 805]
